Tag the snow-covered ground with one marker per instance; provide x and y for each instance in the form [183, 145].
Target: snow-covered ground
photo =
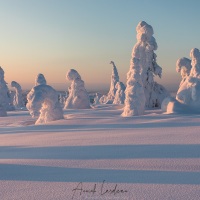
[97, 154]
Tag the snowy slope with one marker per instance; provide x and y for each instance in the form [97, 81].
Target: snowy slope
[155, 156]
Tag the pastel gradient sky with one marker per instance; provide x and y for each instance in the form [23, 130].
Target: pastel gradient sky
[52, 36]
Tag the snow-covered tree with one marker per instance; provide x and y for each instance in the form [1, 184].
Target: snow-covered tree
[78, 97]
[96, 98]
[114, 80]
[5, 99]
[135, 96]
[40, 80]
[188, 95]
[109, 98]
[44, 98]
[183, 66]
[18, 98]
[144, 51]
[119, 95]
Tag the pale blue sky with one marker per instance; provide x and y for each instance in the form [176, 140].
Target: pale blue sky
[52, 36]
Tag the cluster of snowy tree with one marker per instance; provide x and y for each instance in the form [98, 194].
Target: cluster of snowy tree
[141, 91]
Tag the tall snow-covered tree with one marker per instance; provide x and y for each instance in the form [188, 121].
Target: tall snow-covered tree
[144, 51]
[114, 80]
[18, 98]
[135, 97]
[78, 97]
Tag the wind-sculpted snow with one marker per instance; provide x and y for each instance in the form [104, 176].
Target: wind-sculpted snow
[144, 51]
[119, 95]
[18, 98]
[153, 156]
[135, 97]
[78, 97]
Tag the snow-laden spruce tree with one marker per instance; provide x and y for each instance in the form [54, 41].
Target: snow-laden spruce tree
[39, 80]
[144, 51]
[46, 98]
[5, 99]
[96, 98]
[183, 66]
[114, 80]
[18, 98]
[78, 97]
[119, 95]
[135, 97]
[188, 95]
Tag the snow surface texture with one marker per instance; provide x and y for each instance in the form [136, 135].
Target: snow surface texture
[5, 99]
[135, 97]
[153, 157]
[46, 96]
[18, 98]
[188, 95]
[78, 97]
[119, 95]
[144, 51]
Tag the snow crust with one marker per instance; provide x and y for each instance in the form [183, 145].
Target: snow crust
[78, 97]
[18, 98]
[153, 156]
